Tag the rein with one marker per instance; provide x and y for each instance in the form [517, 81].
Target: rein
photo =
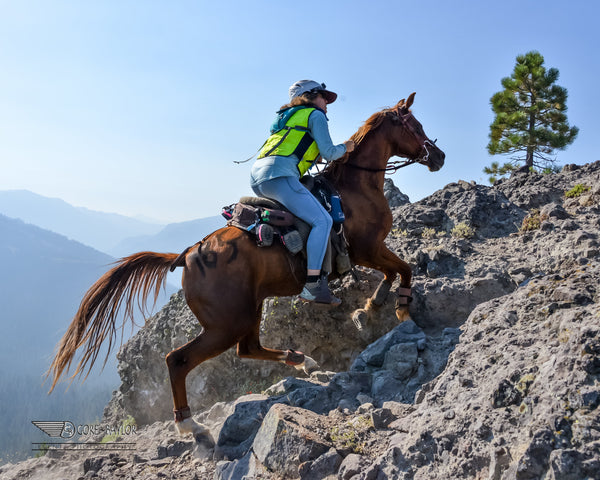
[394, 166]
[391, 167]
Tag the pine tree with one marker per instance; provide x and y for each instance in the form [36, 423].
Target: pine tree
[530, 122]
[496, 171]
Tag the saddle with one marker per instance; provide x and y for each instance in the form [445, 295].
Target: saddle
[269, 221]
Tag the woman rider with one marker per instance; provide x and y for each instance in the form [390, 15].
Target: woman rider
[298, 136]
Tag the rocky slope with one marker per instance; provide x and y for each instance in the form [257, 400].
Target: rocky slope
[496, 376]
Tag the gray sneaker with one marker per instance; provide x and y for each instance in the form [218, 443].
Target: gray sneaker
[319, 292]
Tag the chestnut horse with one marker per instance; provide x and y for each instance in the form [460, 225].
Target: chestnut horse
[226, 277]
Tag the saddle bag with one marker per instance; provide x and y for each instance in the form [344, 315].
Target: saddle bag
[247, 216]
[242, 216]
[279, 218]
[264, 235]
[265, 224]
[292, 240]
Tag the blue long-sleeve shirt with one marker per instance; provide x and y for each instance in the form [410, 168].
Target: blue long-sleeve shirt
[276, 166]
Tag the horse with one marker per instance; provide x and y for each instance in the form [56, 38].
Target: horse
[226, 276]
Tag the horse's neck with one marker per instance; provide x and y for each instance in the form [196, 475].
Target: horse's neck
[373, 155]
[370, 158]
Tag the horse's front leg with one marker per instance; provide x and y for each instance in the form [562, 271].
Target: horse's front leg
[391, 266]
[398, 266]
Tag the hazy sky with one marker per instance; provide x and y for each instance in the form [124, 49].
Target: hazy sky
[141, 107]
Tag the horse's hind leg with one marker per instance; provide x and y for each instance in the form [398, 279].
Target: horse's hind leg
[250, 347]
[183, 360]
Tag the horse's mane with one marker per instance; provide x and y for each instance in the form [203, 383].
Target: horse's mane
[369, 126]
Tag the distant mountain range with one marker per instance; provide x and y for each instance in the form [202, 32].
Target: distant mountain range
[50, 254]
[97, 229]
[114, 234]
[175, 237]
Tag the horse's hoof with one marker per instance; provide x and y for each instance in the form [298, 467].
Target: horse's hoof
[371, 306]
[402, 313]
[189, 425]
[360, 317]
[294, 358]
[309, 365]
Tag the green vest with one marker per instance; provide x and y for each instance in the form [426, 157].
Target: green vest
[293, 139]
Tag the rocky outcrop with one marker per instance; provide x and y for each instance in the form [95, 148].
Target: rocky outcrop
[496, 376]
[467, 245]
[519, 396]
[530, 190]
[393, 194]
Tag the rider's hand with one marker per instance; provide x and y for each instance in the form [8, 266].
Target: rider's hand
[349, 144]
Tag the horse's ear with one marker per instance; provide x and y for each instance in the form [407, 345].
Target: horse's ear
[411, 99]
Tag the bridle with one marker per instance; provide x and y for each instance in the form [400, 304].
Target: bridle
[395, 165]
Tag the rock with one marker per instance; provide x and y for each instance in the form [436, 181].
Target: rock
[352, 465]
[375, 354]
[393, 194]
[482, 208]
[240, 427]
[532, 190]
[174, 449]
[505, 395]
[401, 359]
[246, 467]
[512, 373]
[324, 466]
[93, 464]
[282, 443]
[571, 464]
[554, 210]
[534, 463]
[382, 417]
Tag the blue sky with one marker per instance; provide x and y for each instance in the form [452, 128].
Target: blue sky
[141, 107]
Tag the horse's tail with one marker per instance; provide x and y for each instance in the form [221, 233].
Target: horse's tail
[133, 277]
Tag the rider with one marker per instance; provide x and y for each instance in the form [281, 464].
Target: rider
[299, 136]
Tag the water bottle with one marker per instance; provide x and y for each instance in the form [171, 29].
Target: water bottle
[336, 209]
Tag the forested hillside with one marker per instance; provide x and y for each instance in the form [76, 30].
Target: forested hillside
[43, 277]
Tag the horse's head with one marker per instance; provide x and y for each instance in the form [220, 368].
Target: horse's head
[409, 139]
